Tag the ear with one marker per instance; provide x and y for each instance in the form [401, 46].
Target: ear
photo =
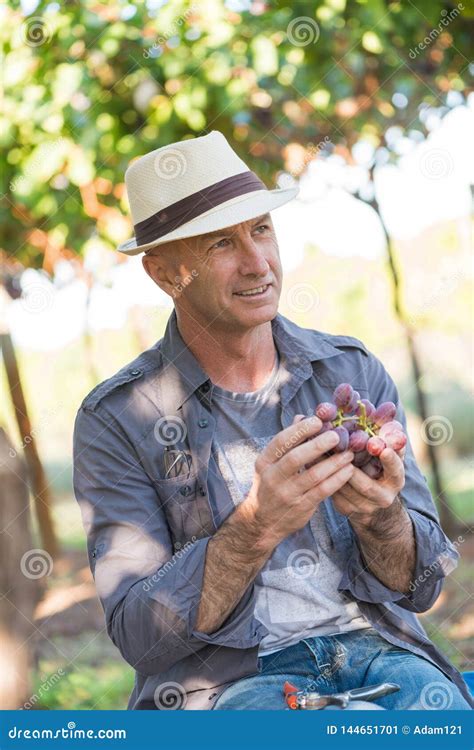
[159, 270]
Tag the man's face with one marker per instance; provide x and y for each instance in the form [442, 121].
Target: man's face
[209, 274]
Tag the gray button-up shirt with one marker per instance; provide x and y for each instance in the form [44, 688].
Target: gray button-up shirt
[147, 535]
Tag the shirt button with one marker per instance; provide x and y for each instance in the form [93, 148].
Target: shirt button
[186, 490]
[203, 422]
[135, 372]
[205, 387]
[202, 491]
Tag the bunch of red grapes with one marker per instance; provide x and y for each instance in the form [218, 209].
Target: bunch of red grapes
[362, 428]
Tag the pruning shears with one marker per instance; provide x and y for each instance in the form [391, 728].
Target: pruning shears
[305, 699]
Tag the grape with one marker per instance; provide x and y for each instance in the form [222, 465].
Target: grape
[352, 405]
[358, 440]
[351, 425]
[369, 408]
[326, 411]
[375, 446]
[361, 458]
[372, 469]
[384, 413]
[342, 395]
[343, 439]
[326, 426]
[389, 427]
[357, 435]
[396, 440]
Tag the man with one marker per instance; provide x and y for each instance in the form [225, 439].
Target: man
[200, 448]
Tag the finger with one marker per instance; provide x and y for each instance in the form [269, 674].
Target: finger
[288, 438]
[393, 470]
[364, 486]
[330, 485]
[317, 474]
[349, 493]
[295, 459]
[402, 453]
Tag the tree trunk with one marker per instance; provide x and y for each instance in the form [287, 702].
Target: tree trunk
[446, 515]
[39, 483]
[20, 585]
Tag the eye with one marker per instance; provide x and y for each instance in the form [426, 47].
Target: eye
[219, 244]
[263, 226]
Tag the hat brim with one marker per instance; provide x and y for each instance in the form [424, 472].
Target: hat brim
[227, 214]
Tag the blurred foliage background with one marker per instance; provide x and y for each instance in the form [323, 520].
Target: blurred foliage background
[295, 87]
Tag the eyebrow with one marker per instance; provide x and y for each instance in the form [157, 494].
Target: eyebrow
[227, 231]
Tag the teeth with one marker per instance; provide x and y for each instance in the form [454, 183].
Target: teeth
[258, 290]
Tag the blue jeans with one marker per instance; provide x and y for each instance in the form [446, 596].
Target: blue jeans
[330, 664]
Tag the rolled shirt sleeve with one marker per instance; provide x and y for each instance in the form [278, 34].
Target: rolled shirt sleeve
[149, 595]
[436, 556]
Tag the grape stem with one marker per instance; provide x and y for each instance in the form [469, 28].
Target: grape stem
[361, 421]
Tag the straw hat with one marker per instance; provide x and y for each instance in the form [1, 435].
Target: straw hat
[193, 187]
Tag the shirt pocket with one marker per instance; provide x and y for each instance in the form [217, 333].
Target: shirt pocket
[185, 505]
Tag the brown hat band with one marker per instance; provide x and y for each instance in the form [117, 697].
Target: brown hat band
[170, 218]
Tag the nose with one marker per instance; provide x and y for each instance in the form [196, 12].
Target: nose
[252, 259]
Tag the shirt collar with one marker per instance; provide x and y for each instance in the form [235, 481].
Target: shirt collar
[182, 374]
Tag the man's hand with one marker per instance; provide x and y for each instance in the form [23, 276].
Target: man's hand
[381, 523]
[293, 475]
[362, 497]
[284, 495]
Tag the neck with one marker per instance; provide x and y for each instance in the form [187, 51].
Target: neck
[239, 361]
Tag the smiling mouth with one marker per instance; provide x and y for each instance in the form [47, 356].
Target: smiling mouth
[255, 292]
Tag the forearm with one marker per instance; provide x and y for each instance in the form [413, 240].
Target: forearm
[235, 555]
[388, 545]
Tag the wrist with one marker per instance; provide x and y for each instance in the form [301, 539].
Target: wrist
[388, 523]
[255, 536]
